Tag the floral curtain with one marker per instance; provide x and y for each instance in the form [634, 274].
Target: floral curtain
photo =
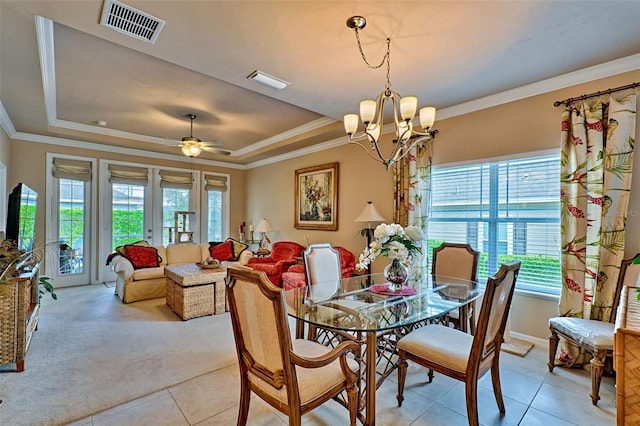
[412, 189]
[596, 163]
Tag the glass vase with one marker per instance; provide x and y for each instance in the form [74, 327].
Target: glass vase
[396, 274]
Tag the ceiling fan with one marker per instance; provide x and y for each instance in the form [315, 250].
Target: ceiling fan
[192, 146]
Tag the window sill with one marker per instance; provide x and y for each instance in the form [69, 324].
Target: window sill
[537, 295]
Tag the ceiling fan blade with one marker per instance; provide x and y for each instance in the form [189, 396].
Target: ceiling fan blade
[216, 150]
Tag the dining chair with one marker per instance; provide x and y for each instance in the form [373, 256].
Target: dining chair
[292, 375]
[458, 261]
[593, 336]
[460, 355]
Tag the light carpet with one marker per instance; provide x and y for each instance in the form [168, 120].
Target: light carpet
[92, 352]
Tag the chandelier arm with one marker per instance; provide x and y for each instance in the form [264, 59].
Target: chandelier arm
[368, 151]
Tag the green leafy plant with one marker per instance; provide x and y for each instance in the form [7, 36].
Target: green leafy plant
[46, 286]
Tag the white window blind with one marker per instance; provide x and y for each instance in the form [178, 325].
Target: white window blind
[65, 168]
[507, 210]
[175, 179]
[128, 175]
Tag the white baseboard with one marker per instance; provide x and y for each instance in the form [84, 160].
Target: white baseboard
[535, 340]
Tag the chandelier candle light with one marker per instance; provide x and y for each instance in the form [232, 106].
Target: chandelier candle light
[372, 112]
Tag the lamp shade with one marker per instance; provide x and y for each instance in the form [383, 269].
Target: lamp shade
[370, 214]
[264, 226]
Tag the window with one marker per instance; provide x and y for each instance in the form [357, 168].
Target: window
[173, 200]
[127, 214]
[507, 210]
[215, 187]
[214, 216]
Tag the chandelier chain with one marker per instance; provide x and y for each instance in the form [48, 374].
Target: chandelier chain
[386, 58]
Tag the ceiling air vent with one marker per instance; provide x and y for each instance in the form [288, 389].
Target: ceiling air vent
[128, 20]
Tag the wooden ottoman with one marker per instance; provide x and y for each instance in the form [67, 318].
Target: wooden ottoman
[193, 292]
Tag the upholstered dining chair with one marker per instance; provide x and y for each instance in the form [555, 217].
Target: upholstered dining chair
[593, 336]
[292, 375]
[458, 261]
[460, 355]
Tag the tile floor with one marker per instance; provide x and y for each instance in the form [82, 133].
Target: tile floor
[532, 395]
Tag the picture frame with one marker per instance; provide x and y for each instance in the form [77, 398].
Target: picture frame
[316, 197]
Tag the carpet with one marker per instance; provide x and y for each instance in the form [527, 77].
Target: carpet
[92, 352]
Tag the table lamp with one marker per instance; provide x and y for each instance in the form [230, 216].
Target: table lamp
[263, 227]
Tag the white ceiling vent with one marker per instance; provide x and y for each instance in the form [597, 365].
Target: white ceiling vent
[128, 20]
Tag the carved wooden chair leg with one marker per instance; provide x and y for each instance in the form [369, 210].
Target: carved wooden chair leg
[597, 366]
[245, 399]
[402, 375]
[352, 398]
[471, 391]
[497, 387]
[553, 347]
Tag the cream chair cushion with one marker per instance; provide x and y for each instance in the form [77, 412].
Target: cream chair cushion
[312, 382]
[442, 345]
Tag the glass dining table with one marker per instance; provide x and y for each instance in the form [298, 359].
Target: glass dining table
[364, 309]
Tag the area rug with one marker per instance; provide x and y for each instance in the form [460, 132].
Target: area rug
[92, 352]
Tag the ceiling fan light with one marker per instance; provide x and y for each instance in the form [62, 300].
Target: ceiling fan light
[191, 150]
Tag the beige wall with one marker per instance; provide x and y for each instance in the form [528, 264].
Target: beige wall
[31, 158]
[527, 125]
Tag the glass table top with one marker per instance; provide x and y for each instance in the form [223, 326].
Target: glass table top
[365, 302]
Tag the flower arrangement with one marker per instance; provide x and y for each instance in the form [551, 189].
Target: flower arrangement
[392, 241]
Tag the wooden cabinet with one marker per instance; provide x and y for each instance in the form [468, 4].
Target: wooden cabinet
[19, 313]
[627, 358]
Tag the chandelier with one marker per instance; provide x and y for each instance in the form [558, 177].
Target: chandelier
[372, 113]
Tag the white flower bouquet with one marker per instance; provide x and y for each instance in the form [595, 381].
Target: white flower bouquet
[392, 241]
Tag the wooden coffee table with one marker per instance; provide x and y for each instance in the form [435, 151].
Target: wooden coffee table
[193, 292]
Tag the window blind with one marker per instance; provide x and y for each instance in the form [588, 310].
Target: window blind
[175, 179]
[65, 168]
[507, 210]
[215, 183]
[128, 175]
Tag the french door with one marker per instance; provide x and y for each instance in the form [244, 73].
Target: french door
[139, 204]
[69, 234]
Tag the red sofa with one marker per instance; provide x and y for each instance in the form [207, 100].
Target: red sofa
[283, 254]
[295, 276]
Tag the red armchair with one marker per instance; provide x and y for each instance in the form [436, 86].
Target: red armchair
[283, 254]
[295, 276]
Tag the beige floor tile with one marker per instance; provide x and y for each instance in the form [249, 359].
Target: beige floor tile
[387, 410]
[573, 406]
[417, 381]
[260, 414]
[488, 412]
[159, 411]
[579, 380]
[207, 395]
[127, 405]
[439, 415]
[535, 417]
[82, 422]
[516, 386]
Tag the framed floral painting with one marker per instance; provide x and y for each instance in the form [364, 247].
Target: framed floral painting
[316, 197]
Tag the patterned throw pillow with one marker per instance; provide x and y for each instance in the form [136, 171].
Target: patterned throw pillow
[141, 256]
[238, 247]
[222, 251]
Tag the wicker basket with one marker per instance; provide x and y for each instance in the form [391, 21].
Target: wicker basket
[627, 359]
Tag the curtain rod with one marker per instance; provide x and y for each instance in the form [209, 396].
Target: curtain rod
[568, 101]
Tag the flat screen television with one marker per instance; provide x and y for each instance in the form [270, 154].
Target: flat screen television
[21, 216]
